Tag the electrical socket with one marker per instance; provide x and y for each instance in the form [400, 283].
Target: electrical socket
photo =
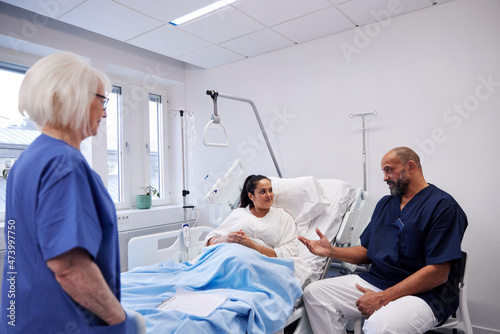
[123, 218]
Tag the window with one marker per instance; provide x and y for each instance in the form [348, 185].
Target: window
[114, 133]
[155, 143]
[16, 132]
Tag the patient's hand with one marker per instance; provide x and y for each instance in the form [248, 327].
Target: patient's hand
[238, 237]
[319, 247]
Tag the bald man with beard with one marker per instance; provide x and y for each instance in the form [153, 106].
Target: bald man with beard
[413, 243]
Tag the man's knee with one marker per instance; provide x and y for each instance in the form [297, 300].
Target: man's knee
[309, 292]
[412, 316]
[375, 324]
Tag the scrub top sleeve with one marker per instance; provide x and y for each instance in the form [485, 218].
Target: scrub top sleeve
[365, 236]
[445, 236]
[66, 216]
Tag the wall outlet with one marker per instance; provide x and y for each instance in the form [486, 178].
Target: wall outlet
[123, 218]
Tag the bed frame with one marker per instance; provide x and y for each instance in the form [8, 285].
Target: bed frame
[149, 249]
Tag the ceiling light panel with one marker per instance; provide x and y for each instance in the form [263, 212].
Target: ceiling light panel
[110, 19]
[318, 24]
[202, 12]
[272, 12]
[222, 25]
[363, 12]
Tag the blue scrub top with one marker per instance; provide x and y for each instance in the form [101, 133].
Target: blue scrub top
[429, 230]
[55, 202]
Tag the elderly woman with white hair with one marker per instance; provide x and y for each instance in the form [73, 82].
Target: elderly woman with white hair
[62, 273]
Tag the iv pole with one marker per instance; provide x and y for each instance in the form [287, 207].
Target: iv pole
[363, 130]
[184, 191]
[214, 94]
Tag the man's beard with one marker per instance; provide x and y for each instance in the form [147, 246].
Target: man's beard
[400, 186]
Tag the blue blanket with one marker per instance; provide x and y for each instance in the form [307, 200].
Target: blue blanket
[261, 291]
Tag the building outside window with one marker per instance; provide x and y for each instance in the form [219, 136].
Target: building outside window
[16, 132]
[155, 142]
[114, 133]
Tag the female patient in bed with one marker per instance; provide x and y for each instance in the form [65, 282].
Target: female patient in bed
[257, 224]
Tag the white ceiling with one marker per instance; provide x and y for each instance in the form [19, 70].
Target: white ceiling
[245, 29]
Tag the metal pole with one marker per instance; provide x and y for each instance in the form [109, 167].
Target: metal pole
[184, 191]
[363, 131]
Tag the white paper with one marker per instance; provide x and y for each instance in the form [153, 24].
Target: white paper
[195, 303]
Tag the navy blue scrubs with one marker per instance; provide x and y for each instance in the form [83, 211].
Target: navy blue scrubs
[429, 230]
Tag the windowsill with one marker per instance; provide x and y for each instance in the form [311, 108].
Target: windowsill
[132, 219]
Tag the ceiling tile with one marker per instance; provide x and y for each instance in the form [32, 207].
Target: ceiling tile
[257, 43]
[363, 12]
[336, 2]
[222, 25]
[110, 19]
[211, 57]
[165, 11]
[319, 24]
[271, 12]
[169, 41]
[246, 28]
[52, 9]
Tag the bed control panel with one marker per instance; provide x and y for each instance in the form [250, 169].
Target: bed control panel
[186, 235]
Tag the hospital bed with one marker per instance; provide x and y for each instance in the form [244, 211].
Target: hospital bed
[332, 205]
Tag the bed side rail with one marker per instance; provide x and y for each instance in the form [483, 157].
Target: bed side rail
[154, 248]
[350, 229]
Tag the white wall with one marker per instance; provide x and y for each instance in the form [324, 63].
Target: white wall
[434, 78]
[25, 37]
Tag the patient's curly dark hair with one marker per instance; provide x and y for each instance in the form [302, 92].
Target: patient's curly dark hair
[249, 187]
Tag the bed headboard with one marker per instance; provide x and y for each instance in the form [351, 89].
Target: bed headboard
[224, 196]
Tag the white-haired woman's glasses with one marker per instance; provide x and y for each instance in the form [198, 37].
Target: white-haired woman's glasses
[104, 101]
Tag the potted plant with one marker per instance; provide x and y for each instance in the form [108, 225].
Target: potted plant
[143, 201]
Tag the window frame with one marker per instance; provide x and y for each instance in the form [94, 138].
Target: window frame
[134, 154]
[126, 203]
[20, 69]
[163, 146]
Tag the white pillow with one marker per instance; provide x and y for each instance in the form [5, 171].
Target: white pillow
[340, 194]
[301, 197]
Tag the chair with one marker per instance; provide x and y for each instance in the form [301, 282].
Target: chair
[460, 319]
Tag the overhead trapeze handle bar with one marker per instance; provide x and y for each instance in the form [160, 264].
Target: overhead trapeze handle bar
[214, 94]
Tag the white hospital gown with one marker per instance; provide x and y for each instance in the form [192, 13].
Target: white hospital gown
[276, 230]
